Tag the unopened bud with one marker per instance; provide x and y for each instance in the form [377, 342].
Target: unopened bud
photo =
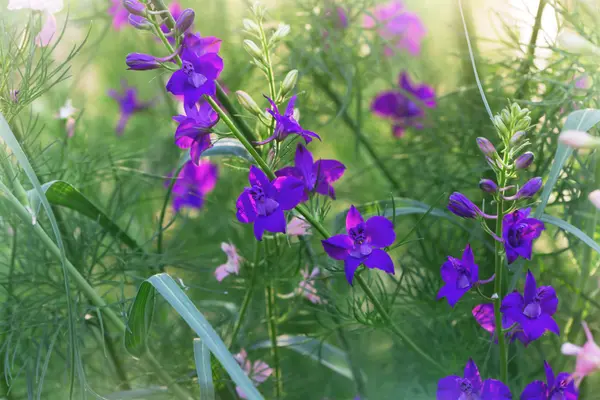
[258, 10]
[523, 124]
[247, 102]
[296, 114]
[141, 62]
[251, 27]
[140, 23]
[488, 185]
[524, 160]
[185, 21]
[289, 83]
[500, 125]
[516, 138]
[282, 31]
[530, 188]
[135, 7]
[253, 49]
[486, 146]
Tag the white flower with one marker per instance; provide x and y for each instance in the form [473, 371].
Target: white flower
[67, 110]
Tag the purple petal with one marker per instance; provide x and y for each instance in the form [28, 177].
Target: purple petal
[448, 272]
[350, 266]
[386, 104]
[512, 306]
[328, 170]
[177, 82]
[272, 223]
[452, 293]
[246, 208]
[290, 191]
[535, 328]
[448, 388]
[468, 260]
[549, 374]
[380, 231]
[289, 171]
[353, 218]
[184, 142]
[536, 390]
[290, 107]
[495, 390]
[549, 300]
[472, 374]
[530, 288]
[257, 177]
[198, 147]
[484, 315]
[379, 259]
[337, 246]
[304, 164]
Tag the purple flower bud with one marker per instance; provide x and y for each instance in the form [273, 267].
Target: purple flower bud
[529, 189]
[135, 7]
[516, 138]
[486, 146]
[488, 185]
[141, 62]
[13, 94]
[460, 205]
[524, 160]
[140, 23]
[185, 20]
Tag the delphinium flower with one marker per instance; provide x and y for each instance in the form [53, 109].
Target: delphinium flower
[298, 227]
[518, 232]
[404, 107]
[560, 387]
[200, 67]
[194, 129]
[258, 372]
[588, 356]
[485, 317]
[399, 28]
[192, 184]
[232, 266]
[471, 387]
[307, 286]
[362, 244]
[316, 176]
[119, 13]
[264, 202]
[460, 205]
[533, 310]
[286, 124]
[128, 105]
[48, 8]
[66, 113]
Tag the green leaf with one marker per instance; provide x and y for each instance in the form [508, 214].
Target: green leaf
[60, 193]
[228, 147]
[328, 355]
[136, 335]
[204, 370]
[567, 227]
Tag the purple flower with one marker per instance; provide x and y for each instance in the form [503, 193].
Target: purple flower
[459, 276]
[524, 160]
[561, 387]
[485, 317]
[192, 184]
[141, 62]
[362, 244]
[486, 147]
[530, 188]
[119, 14]
[264, 202]
[258, 372]
[488, 185]
[128, 105]
[460, 205]
[286, 125]
[533, 310]
[337, 16]
[471, 386]
[194, 129]
[401, 109]
[316, 176]
[399, 28]
[519, 232]
[200, 68]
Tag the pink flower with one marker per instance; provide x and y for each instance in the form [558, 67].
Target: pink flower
[583, 82]
[119, 13]
[400, 28]
[307, 286]
[588, 356]
[297, 227]
[48, 8]
[257, 372]
[232, 266]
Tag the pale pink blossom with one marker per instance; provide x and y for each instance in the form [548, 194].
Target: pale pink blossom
[588, 356]
[66, 112]
[298, 227]
[578, 139]
[232, 266]
[48, 31]
[258, 372]
[48, 8]
[307, 287]
[594, 197]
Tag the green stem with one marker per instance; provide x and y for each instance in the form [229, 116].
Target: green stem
[525, 68]
[234, 113]
[499, 269]
[247, 297]
[163, 211]
[270, 74]
[272, 324]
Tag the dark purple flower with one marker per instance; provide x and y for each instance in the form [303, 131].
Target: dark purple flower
[200, 68]
[401, 108]
[119, 14]
[519, 232]
[460, 205]
[524, 160]
[192, 184]
[194, 129]
[488, 185]
[316, 176]
[561, 387]
[459, 276]
[362, 244]
[128, 105]
[264, 202]
[471, 386]
[286, 125]
[486, 147]
[485, 317]
[533, 310]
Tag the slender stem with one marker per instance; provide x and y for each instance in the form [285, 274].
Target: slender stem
[270, 74]
[247, 297]
[272, 324]
[233, 112]
[9, 289]
[499, 269]
[528, 62]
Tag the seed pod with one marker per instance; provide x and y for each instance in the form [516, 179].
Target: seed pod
[253, 49]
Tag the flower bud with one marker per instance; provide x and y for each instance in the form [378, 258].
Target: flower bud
[460, 205]
[296, 114]
[486, 146]
[595, 198]
[247, 102]
[135, 7]
[488, 185]
[141, 62]
[253, 49]
[282, 31]
[500, 125]
[289, 83]
[579, 140]
[516, 138]
[523, 124]
[140, 23]
[185, 21]
[530, 188]
[251, 27]
[524, 160]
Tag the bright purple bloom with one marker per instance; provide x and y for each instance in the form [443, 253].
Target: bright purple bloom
[286, 125]
[401, 109]
[485, 317]
[264, 202]
[362, 244]
[519, 232]
[192, 184]
[128, 105]
[533, 310]
[200, 68]
[119, 13]
[560, 387]
[399, 28]
[316, 176]
[459, 276]
[194, 129]
[471, 386]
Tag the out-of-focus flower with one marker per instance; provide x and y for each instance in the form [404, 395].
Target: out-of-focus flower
[193, 183]
[48, 9]
[286, 124]
[594, 197]
[128, 105]
[579, 140]
[401, 29]
[574, 43]
[232, 266]
[555, 388]
[471, 386]
[583, 82]
[13, 95]
[363, 244]
[298, 227]
[66, 112]
[307, 287]
[194, 129]
[400, 106]
[486, 318]
[519, 231]
[119, 13]
[258, 372]
[588, 356]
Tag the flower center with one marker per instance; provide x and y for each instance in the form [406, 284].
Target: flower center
[558, 392]
[464, 275]
[194, 78]
[516, 234]
[264, 205]
[533, 309]
[359, 237]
